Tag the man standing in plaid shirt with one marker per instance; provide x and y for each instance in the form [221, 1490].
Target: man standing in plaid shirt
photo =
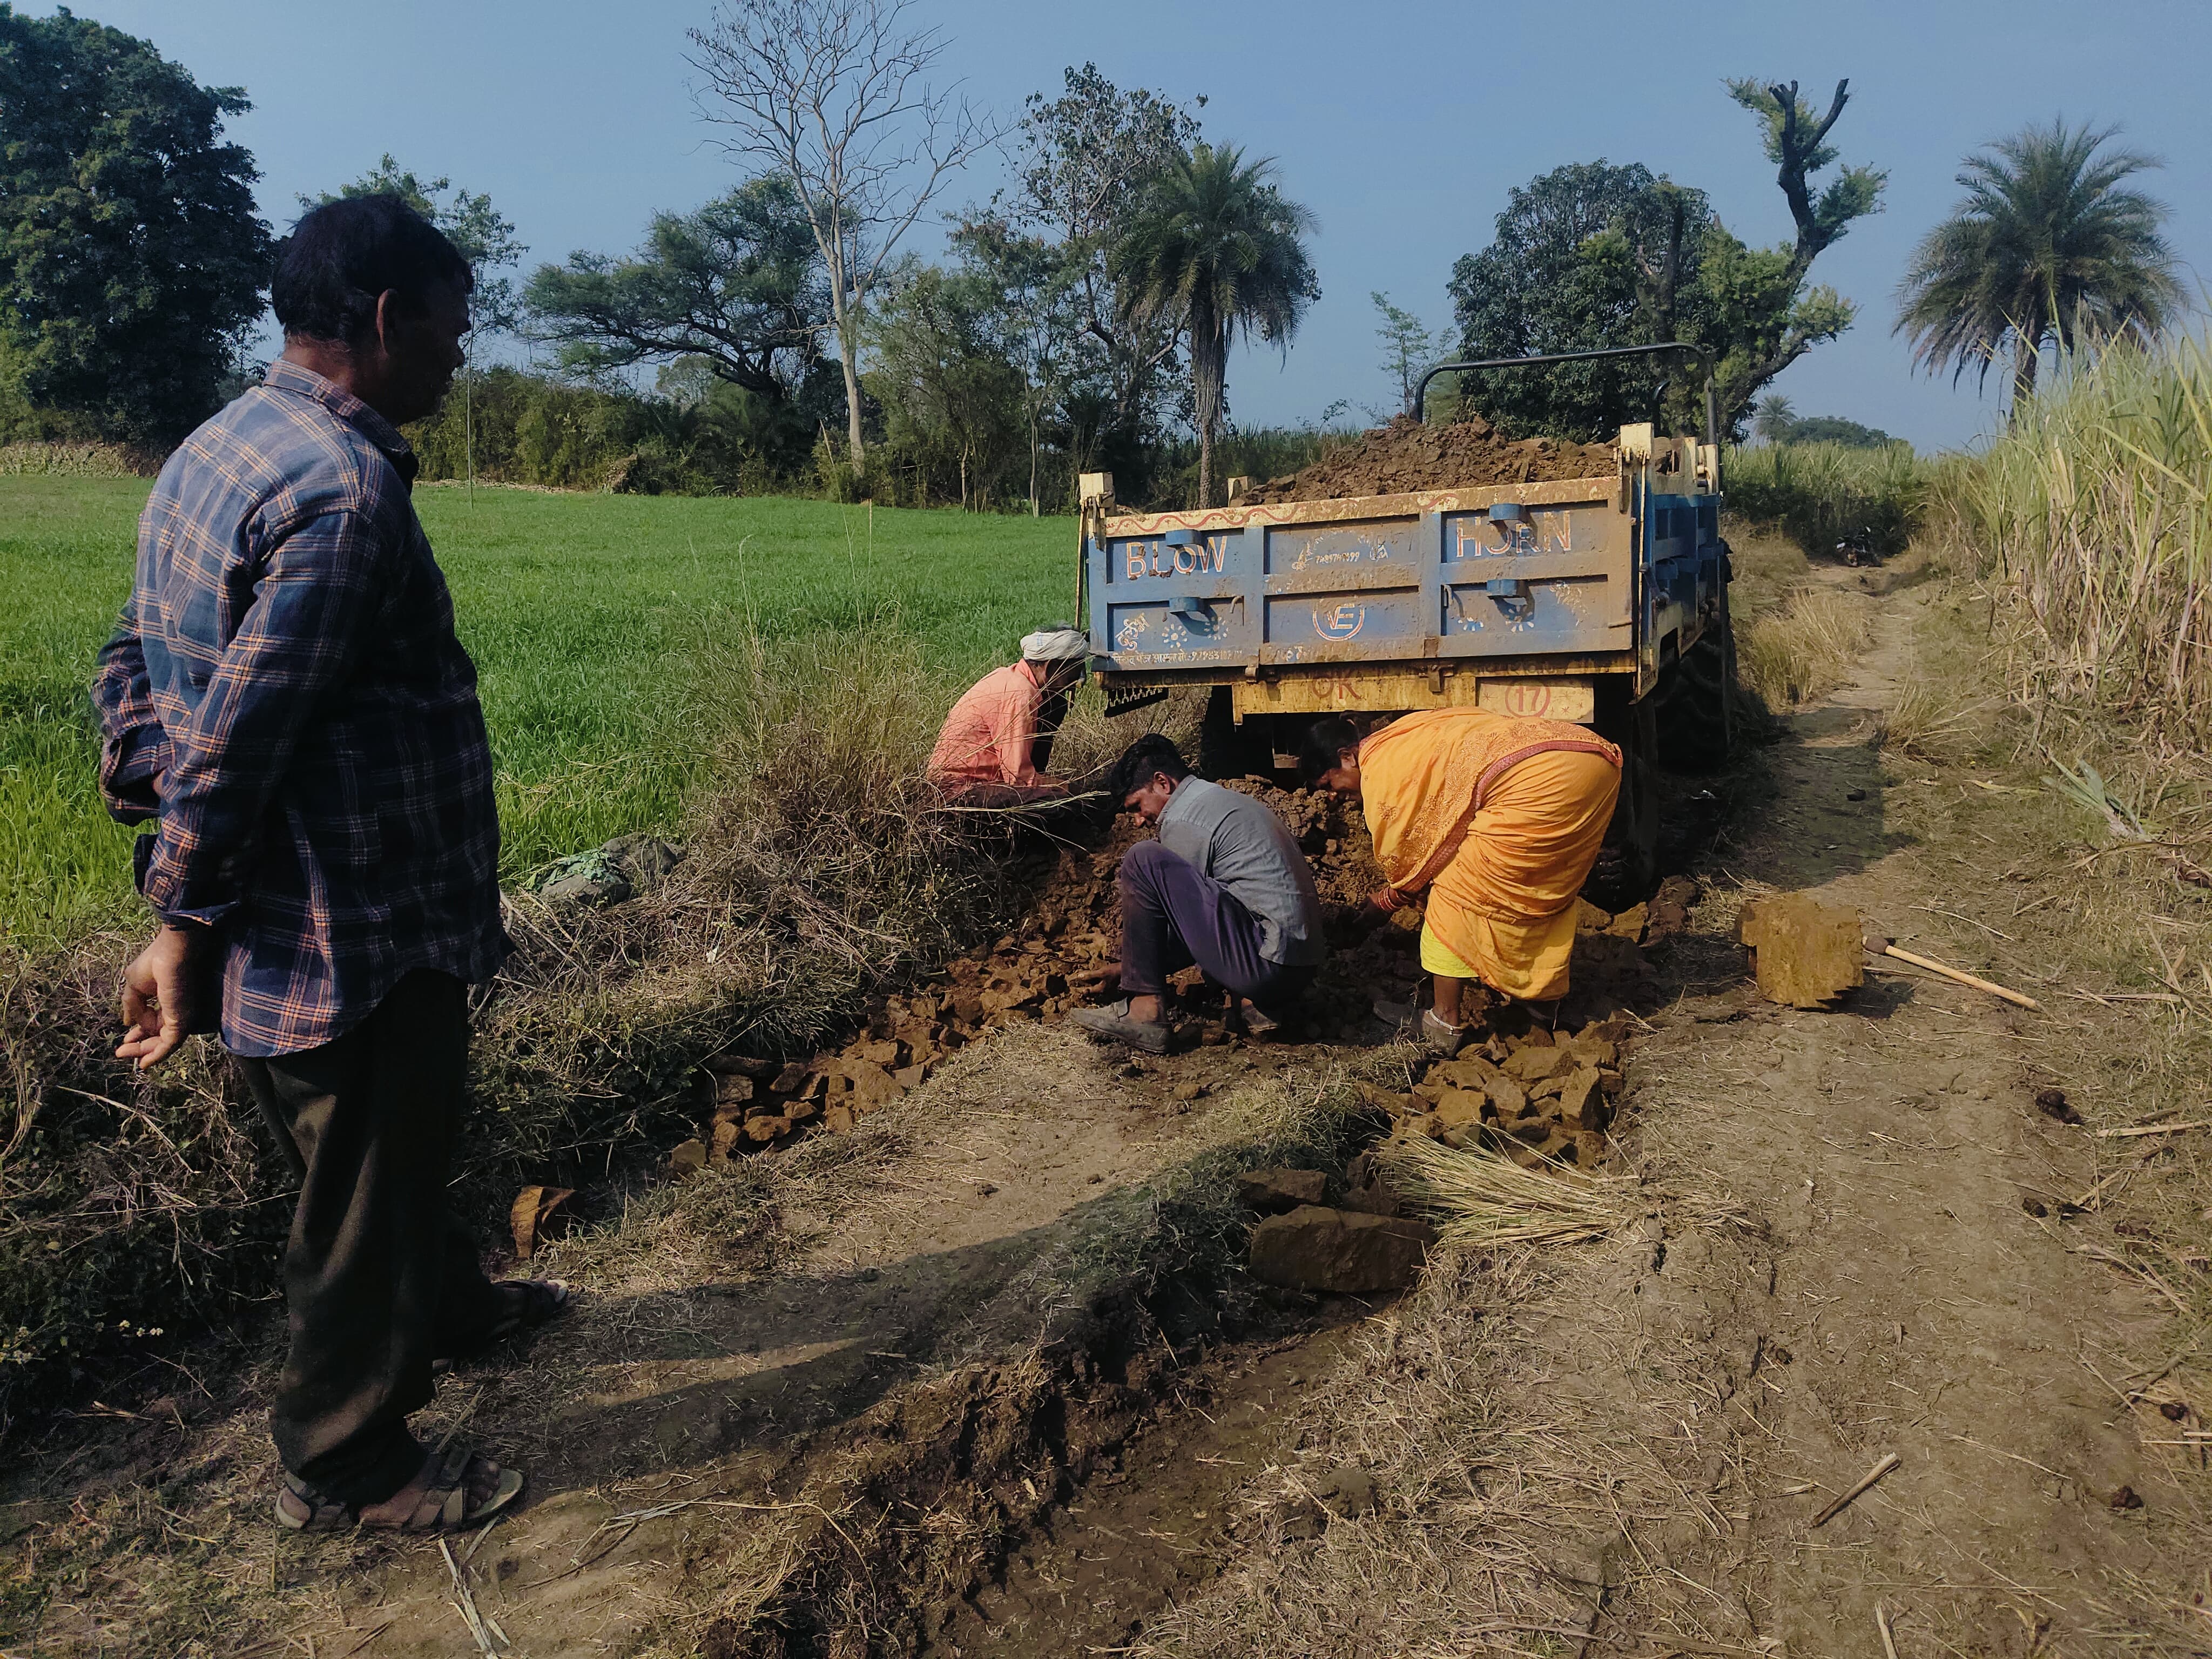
[285, 698]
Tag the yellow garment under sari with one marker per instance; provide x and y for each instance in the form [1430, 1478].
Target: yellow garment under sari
[1500, 818]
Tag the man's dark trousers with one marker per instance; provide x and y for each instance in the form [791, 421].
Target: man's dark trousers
[1173, 916]
[380, 1276]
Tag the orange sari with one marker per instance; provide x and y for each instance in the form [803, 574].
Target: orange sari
[1501, 819]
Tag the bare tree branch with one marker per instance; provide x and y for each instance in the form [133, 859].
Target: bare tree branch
[834, 95]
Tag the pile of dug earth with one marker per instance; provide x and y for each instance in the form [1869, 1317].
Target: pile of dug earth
[1409, 455]
[1515, 1088]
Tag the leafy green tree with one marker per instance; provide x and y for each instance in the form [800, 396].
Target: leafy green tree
[1764, 316]
[2050, 244]
[1586, 256]
[1033, 318]
[944, 384]
[1217, 249]
[1083, 162]
[1835, 430]
[1593, 256]
[1408, 349]
[738, 286]
[484, 239]
[132, 261]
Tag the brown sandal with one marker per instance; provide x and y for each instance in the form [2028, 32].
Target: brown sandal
[443, 1507]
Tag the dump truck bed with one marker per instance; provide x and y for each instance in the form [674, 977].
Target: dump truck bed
[1517, 597]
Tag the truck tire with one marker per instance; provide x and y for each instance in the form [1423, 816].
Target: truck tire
[1696, 700]
[1627, 868]
[1226, 749]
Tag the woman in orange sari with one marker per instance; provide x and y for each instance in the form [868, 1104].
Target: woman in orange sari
[1499, 817]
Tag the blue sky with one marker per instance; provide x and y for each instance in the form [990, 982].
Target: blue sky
[1401, 125]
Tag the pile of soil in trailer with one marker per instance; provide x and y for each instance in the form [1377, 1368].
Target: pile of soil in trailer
[1368, 992]
[1409, 455]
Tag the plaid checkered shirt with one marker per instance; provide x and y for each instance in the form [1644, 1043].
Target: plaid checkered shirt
[285, 695]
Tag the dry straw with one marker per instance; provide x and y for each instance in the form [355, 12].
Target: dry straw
[1481, 1197]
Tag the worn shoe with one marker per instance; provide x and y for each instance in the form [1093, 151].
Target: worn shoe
[1112, 1024]
[1440, 1038]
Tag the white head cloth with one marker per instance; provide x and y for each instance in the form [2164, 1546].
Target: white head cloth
[1056, 645]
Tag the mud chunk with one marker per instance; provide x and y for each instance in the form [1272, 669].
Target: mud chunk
[1461, 1108]
[1588, 919]
[742, 1066]
[1629, 924]
[1805, 953]
[1534, 1064]
[1190, 1091]
[1367, 1190]
[1581, 1102]
[1313, 1248]
[688, 1159]
[2125, 1498]
[1281, 1189]
[1347, 1490]
[2052, 1102]
[788, 1080]
[733, 1091]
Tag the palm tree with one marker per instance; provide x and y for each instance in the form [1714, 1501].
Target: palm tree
[1214, 249]
[1772, 418]
[2047, 244]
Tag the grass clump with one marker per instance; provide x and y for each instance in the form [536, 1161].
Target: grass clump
[1803, 648]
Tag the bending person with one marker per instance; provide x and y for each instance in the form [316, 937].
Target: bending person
[1224, 886]
[1500, 818]
[997, 741]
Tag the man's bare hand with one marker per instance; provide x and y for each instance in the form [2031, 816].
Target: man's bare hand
[1106, 977]
[160, 990]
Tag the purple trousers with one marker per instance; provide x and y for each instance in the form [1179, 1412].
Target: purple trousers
[1172, 917]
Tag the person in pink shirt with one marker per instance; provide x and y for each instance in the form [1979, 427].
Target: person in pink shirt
[997, 741]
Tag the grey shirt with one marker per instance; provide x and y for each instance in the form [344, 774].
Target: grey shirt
[1247, 849]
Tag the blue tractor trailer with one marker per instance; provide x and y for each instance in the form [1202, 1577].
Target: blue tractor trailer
[1601, 599]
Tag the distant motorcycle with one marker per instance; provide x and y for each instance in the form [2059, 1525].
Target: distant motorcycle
[1858, 549]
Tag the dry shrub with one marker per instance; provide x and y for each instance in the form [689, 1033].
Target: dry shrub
[1924, 723]
[1805, 647]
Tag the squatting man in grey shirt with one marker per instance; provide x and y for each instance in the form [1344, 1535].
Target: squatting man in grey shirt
[1225, 887]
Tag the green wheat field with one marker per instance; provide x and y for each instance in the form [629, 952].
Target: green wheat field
[586, 615]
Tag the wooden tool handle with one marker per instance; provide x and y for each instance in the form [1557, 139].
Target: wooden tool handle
[1962, 977]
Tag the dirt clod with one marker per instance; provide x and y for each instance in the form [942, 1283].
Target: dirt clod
[2125, 1498]
[2052, 1102]
[1313, 1248]
[1274, 1190]
[1805, 953]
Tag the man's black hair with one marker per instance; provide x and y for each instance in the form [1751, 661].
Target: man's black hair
[1153, 752]
[341, 256]
[1325, 741]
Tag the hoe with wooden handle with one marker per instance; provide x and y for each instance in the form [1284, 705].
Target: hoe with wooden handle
[1882, 947]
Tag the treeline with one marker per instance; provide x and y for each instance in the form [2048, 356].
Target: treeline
[777, 338]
